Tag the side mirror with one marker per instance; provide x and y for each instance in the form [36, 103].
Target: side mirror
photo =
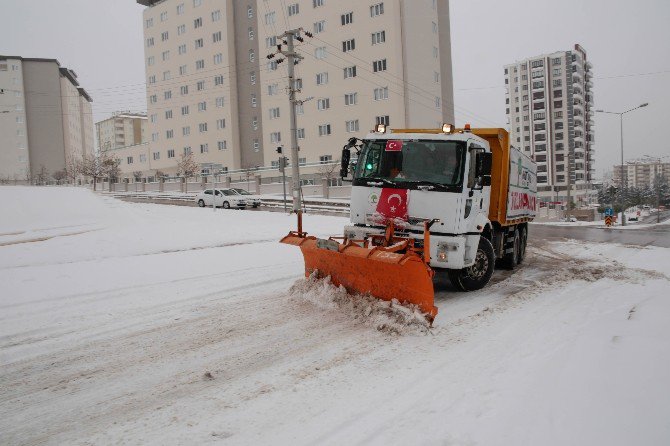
[483, 164]
[486, 180]
[346, 157]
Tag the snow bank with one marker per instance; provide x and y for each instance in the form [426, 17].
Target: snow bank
[387, 317]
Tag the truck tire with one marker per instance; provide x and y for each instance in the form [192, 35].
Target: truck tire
[523, 242]
[511, 259]
[478, 275]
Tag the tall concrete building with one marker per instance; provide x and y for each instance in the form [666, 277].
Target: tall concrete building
[121, 130]
[550, 113]
[641, 174]
[45, 118]
[212, 91]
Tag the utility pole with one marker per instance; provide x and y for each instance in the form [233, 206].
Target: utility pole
[282, 168]
[293, 58]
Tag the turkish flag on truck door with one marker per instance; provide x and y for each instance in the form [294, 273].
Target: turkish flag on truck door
[393, 203]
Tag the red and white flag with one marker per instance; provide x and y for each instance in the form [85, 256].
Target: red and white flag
[393, 145]
[393, 203]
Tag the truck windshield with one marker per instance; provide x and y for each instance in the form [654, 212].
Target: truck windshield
[410, 163]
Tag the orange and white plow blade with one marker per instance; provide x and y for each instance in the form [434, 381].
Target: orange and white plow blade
[374, 271]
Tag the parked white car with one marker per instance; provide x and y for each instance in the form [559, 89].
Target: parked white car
[225, 198]
[253, 200]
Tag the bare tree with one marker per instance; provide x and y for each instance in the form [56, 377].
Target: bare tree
[187, 168]
[110, 167]
[72, 169]
[42, 175]
[328, 170]
[59, 175]
[160, 175]
[137, 175]
[98, 166]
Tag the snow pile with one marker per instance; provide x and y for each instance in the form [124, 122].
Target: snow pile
[384, 316]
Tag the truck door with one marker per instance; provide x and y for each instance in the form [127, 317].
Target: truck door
[474, 199]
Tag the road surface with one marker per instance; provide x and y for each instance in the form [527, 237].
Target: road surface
[655, 235]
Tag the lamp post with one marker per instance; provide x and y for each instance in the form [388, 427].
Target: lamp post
[623, 210]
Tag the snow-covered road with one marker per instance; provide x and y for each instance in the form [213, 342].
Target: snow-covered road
[148, 324]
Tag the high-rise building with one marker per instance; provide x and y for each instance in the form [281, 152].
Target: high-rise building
[641, 173]
[550, 113]
[46, 122]
[121, 130]
[212, 91]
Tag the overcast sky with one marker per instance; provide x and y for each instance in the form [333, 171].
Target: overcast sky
[627, 41]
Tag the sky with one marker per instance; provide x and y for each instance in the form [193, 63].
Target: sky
[627, 41]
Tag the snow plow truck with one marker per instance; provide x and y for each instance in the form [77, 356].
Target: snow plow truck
[425, 202]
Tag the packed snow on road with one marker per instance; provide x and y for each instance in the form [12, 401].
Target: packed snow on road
[151, 324]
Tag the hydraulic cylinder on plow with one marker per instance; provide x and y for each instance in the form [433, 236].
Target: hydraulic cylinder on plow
[387, 267]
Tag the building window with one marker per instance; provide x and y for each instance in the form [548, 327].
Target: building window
[275, 137]
[202, 127]
[352, 126]
[202, 106]
[436, 77]
[187, 151]
[253, 100]
[149, 23]
[324, 130]
[257, 145]
[184, 110]
[165, 36]
[167, 95]
[323, 104]
[349, 45]
[325, 159]
[383, 120]
[381, 93]
[184, 90]
[378, 37]
[197, 23]
[150, 42]
[170, 153]
[300, 133]
[181, 29]
[350, 98]
[252, 78]
[168, 114]
[319, 26]
[347, 18]
[216, 37]
[436, 52]
[273, 89]
[293, 9]
[220, 102]
[200, 85]
[218, 59]
[199, 43]
[321, 78]
[250, 12]
[557, 82]
[152, 79]
[250, 32]
[222, 145]
[438, 102]
[300, 109]
[129, 160]
[216, 16]
[218, 80]
[271, 41]
[185, 131]
[379, 65]
[537, 63]
[270, 18]
[377, 10]
[157, 156]
[220, 124]
[320, 52]
[182, 70]
[318, 3]
[169, 134]
[274, 113]
[204, 148]
[556, 61]
[254, 123]
[200, 64]
[349, 72]
[150, 60]
[143, 158]
[558, 114]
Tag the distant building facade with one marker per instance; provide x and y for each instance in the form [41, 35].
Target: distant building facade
[641, 174]
[212, 92]
[46, 120]
[550, 114]
[121, 130]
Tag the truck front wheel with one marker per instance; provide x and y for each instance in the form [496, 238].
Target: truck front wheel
[478, 275]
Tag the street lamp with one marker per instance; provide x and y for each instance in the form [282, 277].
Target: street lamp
[623, 211]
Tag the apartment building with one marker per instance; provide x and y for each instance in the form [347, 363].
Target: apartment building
[549, 100]
[641, 174]
[212, 92]
[122, 129]
[46, 120]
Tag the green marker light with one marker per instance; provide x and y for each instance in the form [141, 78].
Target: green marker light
[369, 166]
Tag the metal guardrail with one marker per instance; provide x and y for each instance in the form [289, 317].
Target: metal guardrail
[310, 204]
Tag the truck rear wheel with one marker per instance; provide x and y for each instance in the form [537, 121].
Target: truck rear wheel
[523, 242]
[478, 275]
[511, 258]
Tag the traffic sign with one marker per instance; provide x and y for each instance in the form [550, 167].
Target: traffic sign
[608, 221]
[609, 212]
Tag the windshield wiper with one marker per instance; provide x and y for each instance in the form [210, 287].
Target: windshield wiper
[378, 182]
[429, 185]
